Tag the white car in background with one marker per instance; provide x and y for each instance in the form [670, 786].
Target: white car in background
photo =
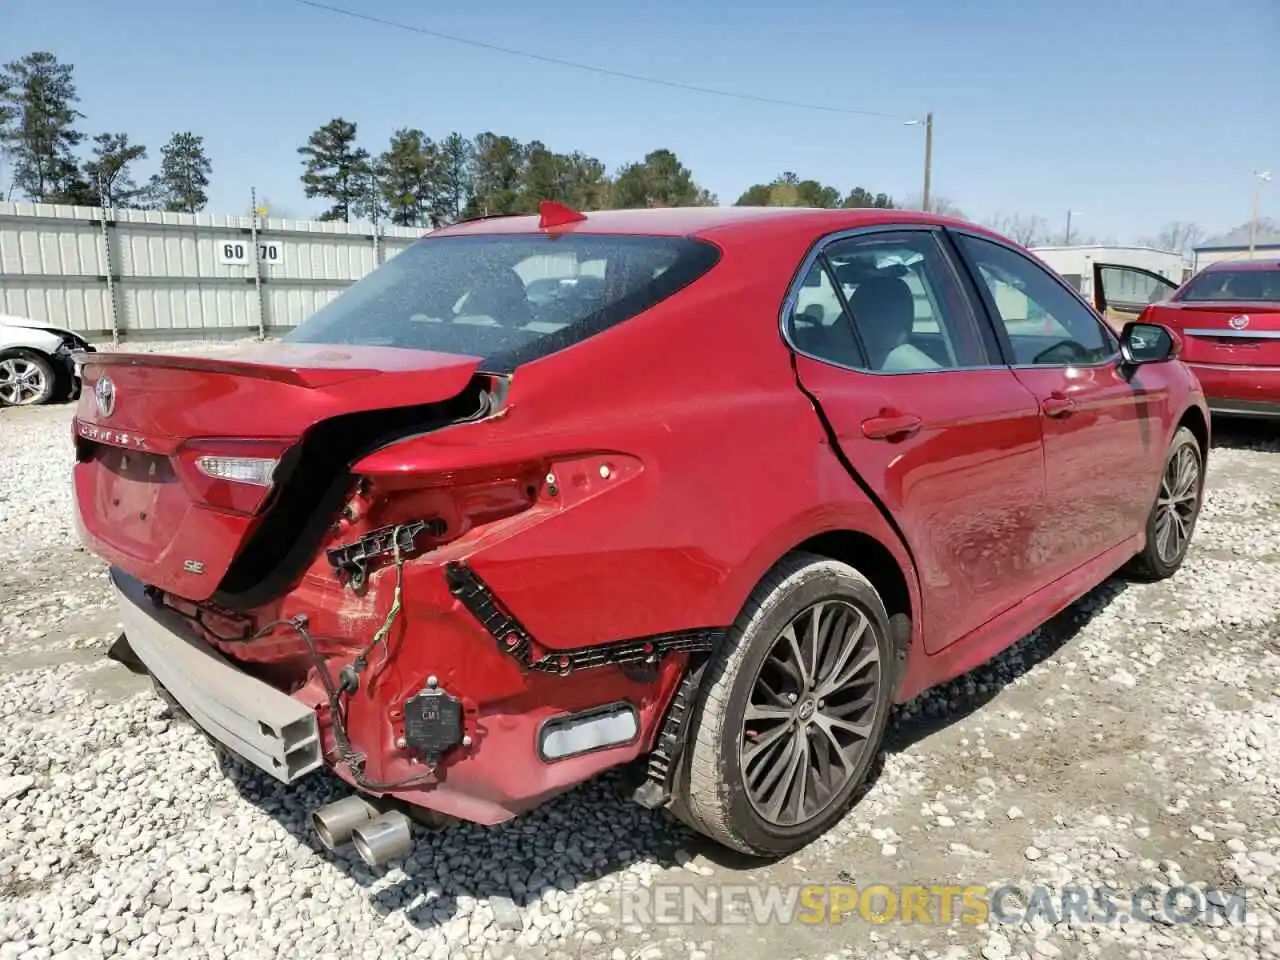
[37, 363]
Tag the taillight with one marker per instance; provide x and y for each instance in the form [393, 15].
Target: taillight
[236, 476]
[255, 470]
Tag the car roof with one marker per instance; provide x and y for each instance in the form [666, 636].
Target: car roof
[1241, 265]
[710, 222]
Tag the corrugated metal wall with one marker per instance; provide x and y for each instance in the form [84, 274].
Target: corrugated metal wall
[1260, 252]
[154, 275]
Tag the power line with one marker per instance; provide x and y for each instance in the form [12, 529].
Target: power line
[542, 58]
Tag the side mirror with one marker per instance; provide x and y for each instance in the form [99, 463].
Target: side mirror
[1148, 343]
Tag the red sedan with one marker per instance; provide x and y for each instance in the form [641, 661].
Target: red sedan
[1228, 318]
[713, 487]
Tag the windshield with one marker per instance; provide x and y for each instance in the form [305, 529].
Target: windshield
[1260, 285]
[508, 296]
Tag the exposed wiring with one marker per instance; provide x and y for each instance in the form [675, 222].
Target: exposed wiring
[380, 637]
[353, 760]
[298, 624]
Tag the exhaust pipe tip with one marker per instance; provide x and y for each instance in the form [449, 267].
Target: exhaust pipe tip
[334, 822]
[384, 838]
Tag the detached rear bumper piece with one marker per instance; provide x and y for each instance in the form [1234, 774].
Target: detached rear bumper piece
[267, 728]
[1239, 391]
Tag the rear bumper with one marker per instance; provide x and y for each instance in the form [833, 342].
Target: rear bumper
[269, 729]
[1238, 391]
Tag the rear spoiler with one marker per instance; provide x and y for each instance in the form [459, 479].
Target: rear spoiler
[309, 378]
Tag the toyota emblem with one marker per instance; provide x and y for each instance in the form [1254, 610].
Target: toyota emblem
[104, 392]
[1239, 321]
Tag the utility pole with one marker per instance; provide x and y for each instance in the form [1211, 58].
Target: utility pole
[1066, 238]
[928, 156]
[928, 159]
[1260, 177]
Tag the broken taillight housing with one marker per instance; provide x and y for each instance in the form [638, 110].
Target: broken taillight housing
[235, 476]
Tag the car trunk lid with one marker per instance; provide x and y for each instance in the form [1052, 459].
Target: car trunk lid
[180, 457]
[1222, 332]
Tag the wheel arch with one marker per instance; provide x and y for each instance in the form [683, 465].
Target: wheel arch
[864, 542]
[1194, 419]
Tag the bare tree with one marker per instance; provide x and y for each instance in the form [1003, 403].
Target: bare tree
[1179, 236]
[943, 206]
[1026, 229]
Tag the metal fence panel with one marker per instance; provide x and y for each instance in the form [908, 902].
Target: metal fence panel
[143, 274]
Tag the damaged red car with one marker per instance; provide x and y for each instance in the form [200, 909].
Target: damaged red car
[707, 489]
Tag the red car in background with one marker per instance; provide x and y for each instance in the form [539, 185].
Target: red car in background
[1228, 318]
[713, 487]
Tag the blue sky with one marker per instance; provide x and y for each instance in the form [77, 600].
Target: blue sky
[1134, 112]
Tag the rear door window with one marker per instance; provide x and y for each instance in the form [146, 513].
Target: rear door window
[886, 302]
[507, 298]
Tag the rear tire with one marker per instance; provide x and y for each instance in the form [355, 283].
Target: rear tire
[27, 379]
[1173, 517]
[810, 655]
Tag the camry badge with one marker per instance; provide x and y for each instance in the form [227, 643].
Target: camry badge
[1239, 321]
[104, 392]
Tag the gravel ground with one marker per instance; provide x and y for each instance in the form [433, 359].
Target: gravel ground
[1133, 741]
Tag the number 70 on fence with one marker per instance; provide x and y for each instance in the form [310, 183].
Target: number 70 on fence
[240, 252]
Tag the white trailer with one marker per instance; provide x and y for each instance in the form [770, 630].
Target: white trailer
[1075, 264]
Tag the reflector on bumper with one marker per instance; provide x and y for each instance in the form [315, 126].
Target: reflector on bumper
[596, 729]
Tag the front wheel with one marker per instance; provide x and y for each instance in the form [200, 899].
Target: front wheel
[26, 379]
[1173, 516]
[793, 712]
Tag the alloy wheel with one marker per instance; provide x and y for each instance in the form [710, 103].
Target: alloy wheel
[811, 713]
[1176, 503]
[21, 381]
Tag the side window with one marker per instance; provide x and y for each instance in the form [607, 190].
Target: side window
[907, 309]
[819, 325]
[1045, 324]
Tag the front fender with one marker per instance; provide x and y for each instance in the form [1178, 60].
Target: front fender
[29, 338]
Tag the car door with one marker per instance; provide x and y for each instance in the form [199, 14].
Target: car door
[889, 347]
[1121, 293]
[1102, 427]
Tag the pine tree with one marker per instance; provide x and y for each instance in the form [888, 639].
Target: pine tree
[336, 169]
[184, 175]
[37, 117]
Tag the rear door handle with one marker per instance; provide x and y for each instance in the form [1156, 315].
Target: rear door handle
[1058, 406]
[887, 427]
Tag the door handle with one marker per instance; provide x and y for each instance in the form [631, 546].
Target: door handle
[889, 426]
[1058, 406]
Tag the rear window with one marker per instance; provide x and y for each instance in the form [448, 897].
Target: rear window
[1260, 285]
[507, 298]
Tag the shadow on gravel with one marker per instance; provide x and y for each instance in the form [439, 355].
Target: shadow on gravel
[592, 832]
[952, 702]
[595, 831]
[1241, 433]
